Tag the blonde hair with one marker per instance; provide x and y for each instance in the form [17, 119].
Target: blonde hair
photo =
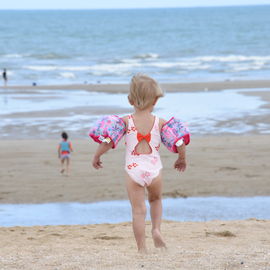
[143, 91]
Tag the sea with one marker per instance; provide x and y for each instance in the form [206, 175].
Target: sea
[109, 46]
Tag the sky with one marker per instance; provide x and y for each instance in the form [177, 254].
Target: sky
[101, 4]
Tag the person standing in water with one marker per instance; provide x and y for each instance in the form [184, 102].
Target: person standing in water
[64, 150]
[4, 75]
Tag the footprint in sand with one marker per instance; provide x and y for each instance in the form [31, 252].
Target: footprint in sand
[228, 168]
[5, 192]
[221, 234]
[106, 237]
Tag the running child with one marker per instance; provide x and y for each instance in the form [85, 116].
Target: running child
[64, 150]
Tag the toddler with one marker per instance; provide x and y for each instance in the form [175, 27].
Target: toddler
[64, 150]
[144, 133]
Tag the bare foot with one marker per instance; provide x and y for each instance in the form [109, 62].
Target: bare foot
[142, 250]
[158, 241]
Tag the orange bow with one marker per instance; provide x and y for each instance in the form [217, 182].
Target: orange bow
[141, 137]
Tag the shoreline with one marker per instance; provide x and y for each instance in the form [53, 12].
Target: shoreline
[167, 87]
[36, 114]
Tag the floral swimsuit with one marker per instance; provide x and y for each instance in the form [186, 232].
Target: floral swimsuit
[142, 168]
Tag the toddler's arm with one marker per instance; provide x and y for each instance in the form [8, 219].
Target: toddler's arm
[59, 151]
[70, 147]
[102, 148]
[180, 164]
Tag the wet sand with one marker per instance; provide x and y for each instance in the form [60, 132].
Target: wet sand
[169, 87]
[217, 166]
[43, 123]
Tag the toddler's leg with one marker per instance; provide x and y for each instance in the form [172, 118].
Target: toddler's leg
[62, 165]
[136, 194]
[154, 197]
[67, 161]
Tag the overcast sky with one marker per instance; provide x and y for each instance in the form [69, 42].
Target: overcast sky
[96, 4]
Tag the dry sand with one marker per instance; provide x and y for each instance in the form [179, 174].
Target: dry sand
[217, 166]
[217, 245]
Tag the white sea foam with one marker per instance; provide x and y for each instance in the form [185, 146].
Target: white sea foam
[130, 61]
[236, 67]
[232, 58]
[181, 65]
[69, 75]
[14, 55]
[41, 68]
[95, 68]
[115, 68]
[75, 68]
[164, 64]
[127, 66]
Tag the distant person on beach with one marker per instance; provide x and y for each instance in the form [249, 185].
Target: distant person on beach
[4, 75]
[64, 150]
[144, 133]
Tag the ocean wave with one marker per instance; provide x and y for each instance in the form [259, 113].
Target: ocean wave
[116, 67]
[60, 68]
[67, 75]
[126, 66]
[147, 56]
[41, 68]
[12, 55]
[232, 58]
[128, 61]
[49, 56]
[179, 65]
[75, 68]
[94, 68]
[237, 67]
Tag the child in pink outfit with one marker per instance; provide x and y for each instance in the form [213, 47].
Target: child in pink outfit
[144, 133]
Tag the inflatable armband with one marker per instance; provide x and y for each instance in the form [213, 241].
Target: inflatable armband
[108, 128]
[173, 131]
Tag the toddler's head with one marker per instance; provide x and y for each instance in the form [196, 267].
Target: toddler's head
[64, 135]
[144, 91]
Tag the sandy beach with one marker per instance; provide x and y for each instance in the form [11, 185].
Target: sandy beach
[215, 245]
[218, 165]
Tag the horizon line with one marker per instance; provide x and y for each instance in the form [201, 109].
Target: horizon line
[129, 8]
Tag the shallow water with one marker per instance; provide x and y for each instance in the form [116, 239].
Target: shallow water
[179, 209]
[47, 112]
